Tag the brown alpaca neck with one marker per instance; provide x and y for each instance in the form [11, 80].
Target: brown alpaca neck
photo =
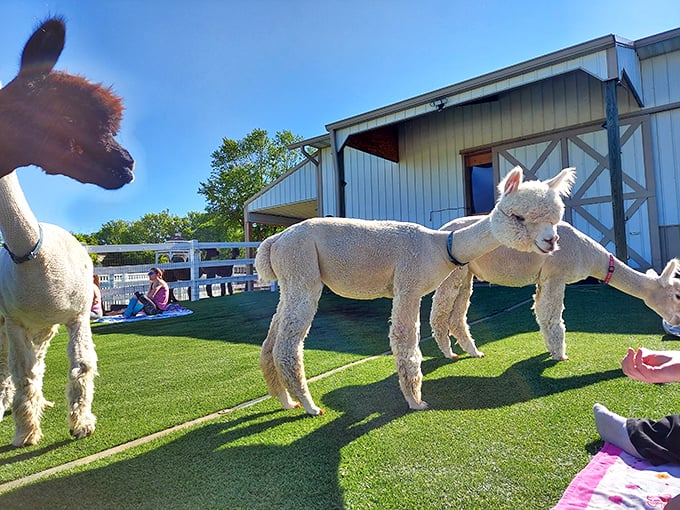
[19, 226]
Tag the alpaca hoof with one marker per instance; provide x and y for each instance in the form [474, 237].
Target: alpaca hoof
[30, 439]
[82, 433]
[315, 412]
[477, 354]
[452, 356]
[421, 406]
[82, 426]
[562, 357]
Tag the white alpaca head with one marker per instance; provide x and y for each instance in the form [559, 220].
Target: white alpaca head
[665, 298]
[526, 214]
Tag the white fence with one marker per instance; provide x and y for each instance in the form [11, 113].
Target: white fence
[119, 282]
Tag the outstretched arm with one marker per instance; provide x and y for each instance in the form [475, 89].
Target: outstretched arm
[652, 366]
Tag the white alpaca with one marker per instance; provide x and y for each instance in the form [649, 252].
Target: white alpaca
[65, 125]
[370, 259]
[578, 258]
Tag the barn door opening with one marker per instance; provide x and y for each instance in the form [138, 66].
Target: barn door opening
[479, 183]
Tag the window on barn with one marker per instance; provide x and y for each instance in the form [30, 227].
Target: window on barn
[479, 185]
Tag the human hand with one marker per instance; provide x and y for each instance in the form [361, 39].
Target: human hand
[652, 366]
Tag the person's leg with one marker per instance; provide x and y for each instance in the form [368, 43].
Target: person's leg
[133, 307]
[612, 429]
[657, 441]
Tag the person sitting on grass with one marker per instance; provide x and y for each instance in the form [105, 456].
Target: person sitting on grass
[154, 301]
[96, 310]
[656, 441]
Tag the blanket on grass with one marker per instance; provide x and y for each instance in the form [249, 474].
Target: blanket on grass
[173, 310]
[613, 479]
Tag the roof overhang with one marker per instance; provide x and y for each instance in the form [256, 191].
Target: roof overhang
[605, 58]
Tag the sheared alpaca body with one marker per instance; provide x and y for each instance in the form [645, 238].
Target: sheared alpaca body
[578, 258]
[363, 259]
[54, 288]
[65, 125]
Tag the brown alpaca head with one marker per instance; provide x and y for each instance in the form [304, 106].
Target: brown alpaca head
[60, 122]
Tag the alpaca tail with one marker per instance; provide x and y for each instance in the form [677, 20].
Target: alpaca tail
[263, 265]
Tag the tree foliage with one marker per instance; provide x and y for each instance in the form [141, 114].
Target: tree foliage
[240, 169]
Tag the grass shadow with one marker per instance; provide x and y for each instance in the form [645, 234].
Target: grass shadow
[521, 382]
[209, 467]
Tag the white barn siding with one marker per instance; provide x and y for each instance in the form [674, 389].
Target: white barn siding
[329, 184]
[661, 79]
[427, 184]
[297, 186]
[666, 148]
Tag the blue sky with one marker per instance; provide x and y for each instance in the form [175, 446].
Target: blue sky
[193, 72]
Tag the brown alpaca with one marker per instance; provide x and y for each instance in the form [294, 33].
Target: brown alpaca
[66, 125]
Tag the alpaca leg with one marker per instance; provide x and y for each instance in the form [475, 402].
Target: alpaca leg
[27, 405]
[6, 385]
[271, 375]
[458, 325]
[41, 342]
[297, 312]
[442, 304]
[548, 307]
[83, 369]
[404, 340]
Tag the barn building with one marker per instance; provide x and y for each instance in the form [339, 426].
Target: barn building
[609, 107]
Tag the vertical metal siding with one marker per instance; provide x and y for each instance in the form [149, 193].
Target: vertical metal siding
[666, 147]
[298, 186]
[661, 79]
[329, 183]
[426, 186]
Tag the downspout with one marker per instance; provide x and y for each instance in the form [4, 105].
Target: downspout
[615, 169]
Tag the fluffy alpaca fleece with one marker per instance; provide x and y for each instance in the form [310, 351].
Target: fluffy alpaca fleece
[54, 288]
[65, 125]
[404, 261]
[578, 258]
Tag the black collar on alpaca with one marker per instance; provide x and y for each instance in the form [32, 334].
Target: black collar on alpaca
[449, 245]
[31, 254]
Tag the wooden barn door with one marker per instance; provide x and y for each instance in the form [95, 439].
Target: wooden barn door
[589, 208]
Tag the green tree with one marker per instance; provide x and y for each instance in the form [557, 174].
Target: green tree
[159, 227]
[241, 168]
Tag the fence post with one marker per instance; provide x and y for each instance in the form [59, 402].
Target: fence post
[194, 260]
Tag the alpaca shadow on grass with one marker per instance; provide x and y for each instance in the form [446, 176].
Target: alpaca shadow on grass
[293, 464]
[295, 460]
[521, 382]
[22, 454]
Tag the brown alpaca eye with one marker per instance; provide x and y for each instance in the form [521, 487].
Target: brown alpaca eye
[518, 218]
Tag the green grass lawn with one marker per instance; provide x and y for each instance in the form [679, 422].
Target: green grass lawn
[506, 431]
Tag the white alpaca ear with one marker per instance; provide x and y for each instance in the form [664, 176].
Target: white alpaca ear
[563, 182]
[669, 271]
[512, 181]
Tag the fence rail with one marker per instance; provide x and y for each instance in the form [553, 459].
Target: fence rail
[184, 261]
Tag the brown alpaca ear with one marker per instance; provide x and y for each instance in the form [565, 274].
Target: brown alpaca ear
[512, 181]
[43, 48]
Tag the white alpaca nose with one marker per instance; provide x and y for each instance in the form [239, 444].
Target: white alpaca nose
[552, 241]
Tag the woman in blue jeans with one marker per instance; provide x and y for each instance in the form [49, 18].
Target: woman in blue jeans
[158, 293]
